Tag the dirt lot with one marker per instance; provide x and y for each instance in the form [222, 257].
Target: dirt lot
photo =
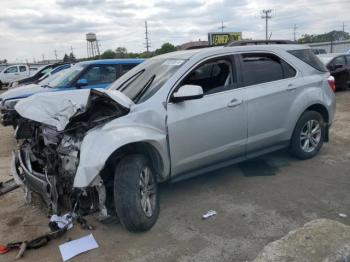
[256, 203]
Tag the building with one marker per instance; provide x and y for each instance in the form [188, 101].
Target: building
[193, 45]
[333, 47]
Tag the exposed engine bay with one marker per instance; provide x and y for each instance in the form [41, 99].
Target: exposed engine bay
[46, 160]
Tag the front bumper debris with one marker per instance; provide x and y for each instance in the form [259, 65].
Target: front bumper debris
[8, 117]
[32, 181]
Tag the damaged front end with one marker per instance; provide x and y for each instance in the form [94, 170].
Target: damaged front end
[47, 158]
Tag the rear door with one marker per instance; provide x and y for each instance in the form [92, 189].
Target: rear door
[271, 88]
[210, 129]
[23, 71]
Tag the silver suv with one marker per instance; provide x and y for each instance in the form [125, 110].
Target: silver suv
[173, 117]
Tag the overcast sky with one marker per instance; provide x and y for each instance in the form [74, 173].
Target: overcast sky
[30, 28]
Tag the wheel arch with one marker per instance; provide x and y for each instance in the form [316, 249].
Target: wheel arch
[142, 147]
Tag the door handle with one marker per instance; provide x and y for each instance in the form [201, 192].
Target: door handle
[291, 87]
[234, 102]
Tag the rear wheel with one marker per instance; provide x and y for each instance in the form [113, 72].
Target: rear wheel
[308, 135]
[135, 193]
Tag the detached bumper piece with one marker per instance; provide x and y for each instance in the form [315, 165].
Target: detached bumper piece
[8, 186]
[32, 181]
[8, 117]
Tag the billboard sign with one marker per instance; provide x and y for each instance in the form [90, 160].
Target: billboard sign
[223, 38]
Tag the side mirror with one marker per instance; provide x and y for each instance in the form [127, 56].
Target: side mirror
[338, 66]
[187, 92]
[81, 82]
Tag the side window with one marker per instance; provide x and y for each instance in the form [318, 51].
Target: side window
[12, 69]
[126, 68]
[340, 60]
[215, 75]
[22, 68]
[100, 74]
[260, 68]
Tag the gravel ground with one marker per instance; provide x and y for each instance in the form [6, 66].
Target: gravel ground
[256, 203]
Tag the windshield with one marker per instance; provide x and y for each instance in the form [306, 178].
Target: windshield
[64, 79]
[46, 79]
[146, 79]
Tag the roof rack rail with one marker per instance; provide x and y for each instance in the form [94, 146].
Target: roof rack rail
[260, 42]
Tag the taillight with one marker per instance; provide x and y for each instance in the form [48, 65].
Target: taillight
[331, 83]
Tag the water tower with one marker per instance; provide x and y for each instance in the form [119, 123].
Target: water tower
[92, 45]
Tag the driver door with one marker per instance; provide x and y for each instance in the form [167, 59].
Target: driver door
[210, 129]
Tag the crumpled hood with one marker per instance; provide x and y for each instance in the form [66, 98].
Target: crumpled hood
[23, 91]
[57, 108]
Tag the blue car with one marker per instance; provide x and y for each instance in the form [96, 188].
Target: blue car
[88, 74]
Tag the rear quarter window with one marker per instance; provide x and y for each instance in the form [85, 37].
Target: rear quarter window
[258, 68]
[308, 57]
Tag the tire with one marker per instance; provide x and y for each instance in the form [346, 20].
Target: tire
[305, 144]
[134, 211]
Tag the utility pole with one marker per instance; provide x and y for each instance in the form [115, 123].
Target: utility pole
[147, 44]
[343, 27]
[266, 15]
[55, 51]
[222, 26]
[43, 57]
[295, 32]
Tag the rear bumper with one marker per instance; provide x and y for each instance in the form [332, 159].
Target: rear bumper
[31, 181]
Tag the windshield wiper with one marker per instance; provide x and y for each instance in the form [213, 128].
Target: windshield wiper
[144, 89]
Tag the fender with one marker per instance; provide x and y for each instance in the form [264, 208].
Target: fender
[99, 144]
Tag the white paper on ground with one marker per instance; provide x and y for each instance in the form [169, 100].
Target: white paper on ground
[78, 246]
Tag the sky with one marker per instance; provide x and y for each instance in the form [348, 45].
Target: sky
[31, 29]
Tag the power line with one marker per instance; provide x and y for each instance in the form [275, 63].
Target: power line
[147, 44]
[266, 15]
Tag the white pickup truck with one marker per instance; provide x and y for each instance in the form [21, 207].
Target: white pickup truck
[13, 73]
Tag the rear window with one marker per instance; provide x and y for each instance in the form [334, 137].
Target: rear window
[308, 57]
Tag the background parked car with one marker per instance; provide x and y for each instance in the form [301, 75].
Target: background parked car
[319, 51]
[89, 74]
[339, 66]
[37, 76]
[13, 73]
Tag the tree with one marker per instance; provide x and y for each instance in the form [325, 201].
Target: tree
[326, 37]
[108, 54]
[72, 58]
[66, 58]
[121, 52]
[165, 48]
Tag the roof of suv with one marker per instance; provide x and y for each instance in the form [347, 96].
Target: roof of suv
[186, 54]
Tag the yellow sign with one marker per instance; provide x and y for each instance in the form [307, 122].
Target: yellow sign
[224, 38]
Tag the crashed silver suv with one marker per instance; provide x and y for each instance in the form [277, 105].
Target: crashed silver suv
[173, 117]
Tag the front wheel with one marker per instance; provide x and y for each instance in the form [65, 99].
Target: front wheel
[308, 135]
[136, 193]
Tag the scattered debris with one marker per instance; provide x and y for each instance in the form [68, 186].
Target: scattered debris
[62, 221]
[78, 246]
[342, 215]
[8, 186]
[35, 243]
[210, 213]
